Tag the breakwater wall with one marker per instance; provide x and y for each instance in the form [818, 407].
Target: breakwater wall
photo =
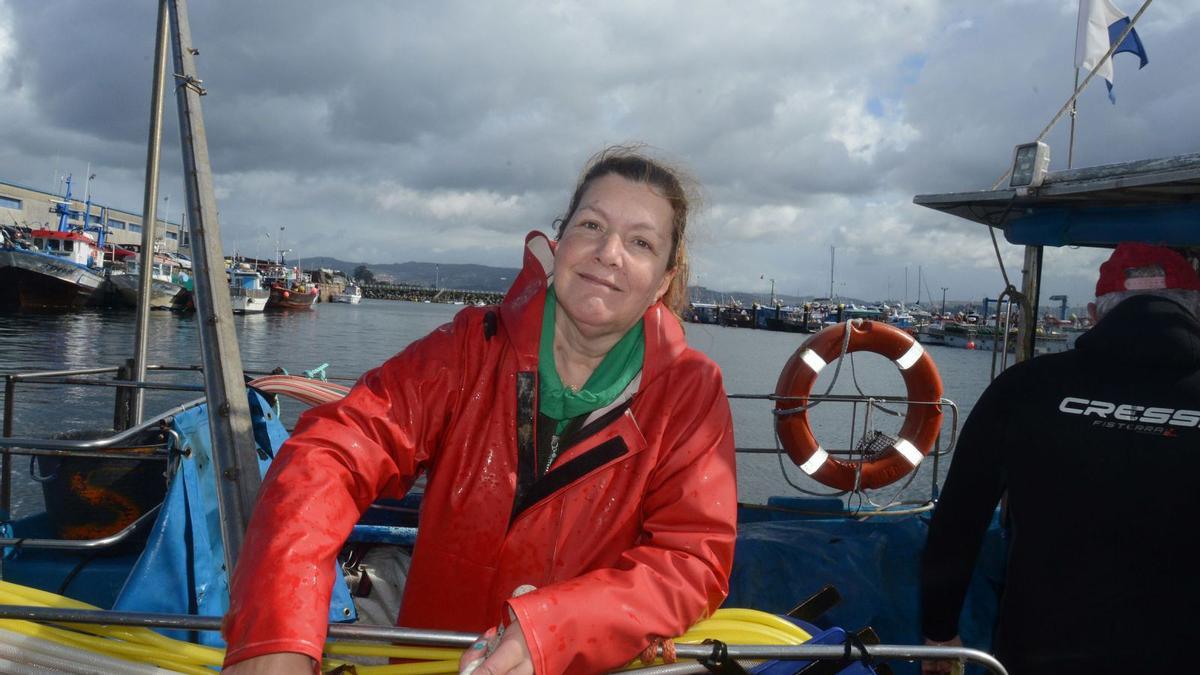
[422, 294]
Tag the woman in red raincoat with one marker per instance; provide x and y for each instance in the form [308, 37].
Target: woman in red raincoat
[572, 443]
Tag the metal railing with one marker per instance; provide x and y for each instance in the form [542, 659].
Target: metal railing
[443, 638]
[123, 435]
[84, 544]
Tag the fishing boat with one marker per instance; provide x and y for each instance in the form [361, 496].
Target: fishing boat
[246, 290]
[932, 333]
[985, 336]
[179, 520]
[351, 294]
[787, 318]
[703, 312]
[169, 285]
[299, 295]
[166, 565]
[289, 288]
[53, 269]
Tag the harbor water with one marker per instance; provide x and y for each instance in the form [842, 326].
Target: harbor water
[354, 338]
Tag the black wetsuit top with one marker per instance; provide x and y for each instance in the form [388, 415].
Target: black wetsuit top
[1098, 449]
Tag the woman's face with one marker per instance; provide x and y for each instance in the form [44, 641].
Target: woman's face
[611, 262]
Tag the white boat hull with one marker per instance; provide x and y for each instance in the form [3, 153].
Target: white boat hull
[248, 300]
[346, 298]
[987, 343]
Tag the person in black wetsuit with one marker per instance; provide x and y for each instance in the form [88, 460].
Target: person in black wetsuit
[1098, 451]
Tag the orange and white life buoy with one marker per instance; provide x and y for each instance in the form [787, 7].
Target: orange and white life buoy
[921, 425]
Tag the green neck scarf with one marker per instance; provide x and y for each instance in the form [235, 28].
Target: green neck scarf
[622, 363]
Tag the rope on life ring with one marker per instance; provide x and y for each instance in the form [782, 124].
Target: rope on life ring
[921, 425]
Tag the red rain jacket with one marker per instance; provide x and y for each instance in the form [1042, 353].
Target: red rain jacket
[629, 536]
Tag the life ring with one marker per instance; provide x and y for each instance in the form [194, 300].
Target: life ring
[921, 425]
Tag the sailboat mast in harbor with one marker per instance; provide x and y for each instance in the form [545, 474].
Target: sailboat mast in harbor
[831, 250]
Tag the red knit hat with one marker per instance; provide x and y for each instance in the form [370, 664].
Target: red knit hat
[1143, 267]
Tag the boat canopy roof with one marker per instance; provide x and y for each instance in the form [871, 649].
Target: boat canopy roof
[55, 234]
[1154, 200]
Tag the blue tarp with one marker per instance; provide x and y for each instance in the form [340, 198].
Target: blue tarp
[783, 559]
[182, 569]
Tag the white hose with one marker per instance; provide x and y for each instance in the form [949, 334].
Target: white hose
[15, 668]
[65, 659]
[44, 662]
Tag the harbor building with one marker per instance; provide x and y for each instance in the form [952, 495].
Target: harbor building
[22, 206]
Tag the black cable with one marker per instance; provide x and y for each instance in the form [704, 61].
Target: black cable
[62, 588]
[719, 662]
[853, 641]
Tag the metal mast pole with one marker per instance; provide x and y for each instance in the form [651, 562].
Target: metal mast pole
[831, 250]
[149, 217]
[234, 460]
[1031, 283]
[1075, 89]
[1071, 142]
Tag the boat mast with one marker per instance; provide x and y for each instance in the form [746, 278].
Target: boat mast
[64, 209]
[149, 216]
[234, 459]
[831, 250]
[1031, 287]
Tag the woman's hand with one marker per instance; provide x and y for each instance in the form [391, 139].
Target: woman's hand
[945, 666]
[271, 664]
[511, 654]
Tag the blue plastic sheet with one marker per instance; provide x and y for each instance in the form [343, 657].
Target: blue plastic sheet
[781, 560]
[182, 569]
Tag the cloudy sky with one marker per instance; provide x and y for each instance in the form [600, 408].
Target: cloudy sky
[442, 132]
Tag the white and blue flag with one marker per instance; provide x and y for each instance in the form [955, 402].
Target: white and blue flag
[1100, 24]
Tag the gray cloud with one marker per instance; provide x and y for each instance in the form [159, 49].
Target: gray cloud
[443, 131]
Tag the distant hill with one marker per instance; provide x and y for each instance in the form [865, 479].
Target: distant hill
[498, 279]
[442, 275]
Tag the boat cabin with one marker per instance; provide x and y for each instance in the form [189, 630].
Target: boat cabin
[243, 278]
[77, 247]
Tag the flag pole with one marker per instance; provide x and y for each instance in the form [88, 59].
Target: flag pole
[1071, 142]
[1074, 101]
